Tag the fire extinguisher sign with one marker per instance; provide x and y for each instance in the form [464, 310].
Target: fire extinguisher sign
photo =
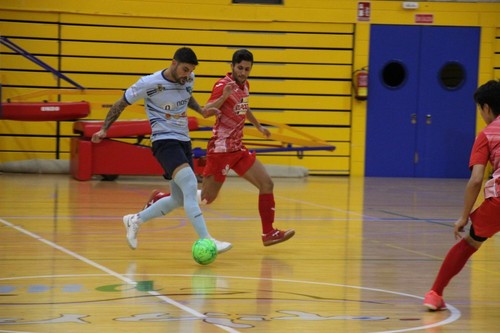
[363, 11]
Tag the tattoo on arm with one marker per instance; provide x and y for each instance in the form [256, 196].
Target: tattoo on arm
[193, 104]
[114, 112]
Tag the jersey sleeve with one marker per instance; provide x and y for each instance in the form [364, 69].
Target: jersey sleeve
[217, 90]
[480, 151]
[136, 92]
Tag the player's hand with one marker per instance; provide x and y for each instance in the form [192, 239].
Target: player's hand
[264, 131]
[98, 136]
[208, 112]
[229, 88]
[459, 227]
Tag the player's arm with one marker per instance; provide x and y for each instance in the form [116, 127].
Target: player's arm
[472, 190]
[205, 112]
[113, 114]
[251, 118]
[219, 96]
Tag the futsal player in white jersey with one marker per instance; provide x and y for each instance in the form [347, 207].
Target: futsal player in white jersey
[167, 94]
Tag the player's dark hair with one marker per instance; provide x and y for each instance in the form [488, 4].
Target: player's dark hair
[489, 93]
[242, 55]
[185, 54]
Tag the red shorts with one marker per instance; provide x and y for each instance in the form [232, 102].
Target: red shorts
[486, 218]
[219, 164]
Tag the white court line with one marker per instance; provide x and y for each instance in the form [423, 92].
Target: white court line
[455, 313]
[112, 273]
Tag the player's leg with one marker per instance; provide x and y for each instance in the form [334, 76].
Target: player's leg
[214, 176]
[161, 207]
[169, 154]
[453, 263]
[185, 178]
[210, 189]
[485, 224]
[157, 195]
[257, 175]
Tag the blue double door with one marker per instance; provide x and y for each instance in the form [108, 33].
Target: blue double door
[421, 114]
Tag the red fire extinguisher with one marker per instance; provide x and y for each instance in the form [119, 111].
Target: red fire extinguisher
[360, 82]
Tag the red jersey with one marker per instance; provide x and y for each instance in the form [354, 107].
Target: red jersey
[228, 129]
[487, 148]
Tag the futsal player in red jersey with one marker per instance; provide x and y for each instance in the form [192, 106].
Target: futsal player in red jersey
[485, 220]
[226, 151]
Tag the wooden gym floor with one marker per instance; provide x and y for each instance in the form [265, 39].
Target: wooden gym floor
[365, 252]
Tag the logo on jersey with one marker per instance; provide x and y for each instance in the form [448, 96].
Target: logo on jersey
[226, 169]
[189, 89]
[169, 106]
[242, 107]
[156, 90]
[175, 116]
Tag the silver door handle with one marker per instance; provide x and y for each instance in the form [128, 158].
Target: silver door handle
[428, 119]
[413, 118]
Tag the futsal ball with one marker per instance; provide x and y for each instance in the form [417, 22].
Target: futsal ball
[204, 251]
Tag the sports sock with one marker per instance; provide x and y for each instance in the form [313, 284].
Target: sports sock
[266, 211]
[187, 182]
[164, 205]
[453, 263]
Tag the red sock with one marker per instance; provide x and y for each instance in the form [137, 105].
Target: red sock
[453, 263]
[266, 211]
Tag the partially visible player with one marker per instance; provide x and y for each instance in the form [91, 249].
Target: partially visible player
[485, 220]
[167, 94]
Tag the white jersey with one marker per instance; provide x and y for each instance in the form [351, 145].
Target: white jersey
[165, 103]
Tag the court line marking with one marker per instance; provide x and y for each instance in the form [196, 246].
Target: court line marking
[455, 313]
[112, 273]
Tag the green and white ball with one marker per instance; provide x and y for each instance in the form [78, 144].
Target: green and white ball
[204, 251]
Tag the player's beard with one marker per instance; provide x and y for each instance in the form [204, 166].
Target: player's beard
[177, 78]
[240, 80]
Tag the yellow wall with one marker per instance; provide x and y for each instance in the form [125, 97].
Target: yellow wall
[305, 54]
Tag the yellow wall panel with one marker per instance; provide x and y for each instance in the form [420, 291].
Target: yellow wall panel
[306, 117]
[28, 127]
[28, 144]
[329, 133]
[28, 15]
[302, 71]
[28, 29]
[205, 84]
[292, 102]
[278, 59]
[185, 23]
[496, 60]
[16, 61]
[19, 78]
[327, 87]
[200, 37]
[33, 46]
[219, 70]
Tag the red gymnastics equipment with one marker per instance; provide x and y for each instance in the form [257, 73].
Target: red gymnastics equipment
[48, 111]
[111, 157]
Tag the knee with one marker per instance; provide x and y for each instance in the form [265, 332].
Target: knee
[474, 243]
[208, 198]
[267, 186]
